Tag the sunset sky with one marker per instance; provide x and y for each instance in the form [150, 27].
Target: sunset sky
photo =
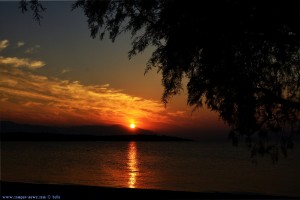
[56, 74]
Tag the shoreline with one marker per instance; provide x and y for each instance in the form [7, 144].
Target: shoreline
[18, 190]
[55, 137]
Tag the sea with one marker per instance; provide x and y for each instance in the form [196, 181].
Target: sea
[205, 166]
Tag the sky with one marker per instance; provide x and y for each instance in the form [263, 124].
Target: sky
[54, 73]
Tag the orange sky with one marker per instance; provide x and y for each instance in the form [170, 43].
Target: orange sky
[32, 98]
[56, 74]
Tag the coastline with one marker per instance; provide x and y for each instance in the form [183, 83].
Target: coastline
[54, 137]
[18, 190]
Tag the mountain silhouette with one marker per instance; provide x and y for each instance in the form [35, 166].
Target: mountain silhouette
[11, 131]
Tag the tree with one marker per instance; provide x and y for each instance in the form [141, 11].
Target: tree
[241, 57]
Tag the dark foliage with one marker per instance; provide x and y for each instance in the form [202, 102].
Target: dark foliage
[35, 6]
[241, 58]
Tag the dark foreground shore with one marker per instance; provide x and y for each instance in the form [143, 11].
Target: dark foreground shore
[12, 190]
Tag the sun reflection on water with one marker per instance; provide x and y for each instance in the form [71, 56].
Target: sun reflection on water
[132, 165]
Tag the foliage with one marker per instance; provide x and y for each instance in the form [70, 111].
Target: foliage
[34, 5]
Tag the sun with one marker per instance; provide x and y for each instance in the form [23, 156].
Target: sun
[132, 126]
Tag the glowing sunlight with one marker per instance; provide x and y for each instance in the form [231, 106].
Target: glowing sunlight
[132, 126]
[132, 165]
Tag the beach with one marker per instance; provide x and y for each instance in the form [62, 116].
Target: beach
[17, 190]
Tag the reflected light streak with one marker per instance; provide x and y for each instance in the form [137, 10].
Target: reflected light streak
[132, 165]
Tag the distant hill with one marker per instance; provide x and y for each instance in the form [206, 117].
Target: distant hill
[11, 131]
[99, 130]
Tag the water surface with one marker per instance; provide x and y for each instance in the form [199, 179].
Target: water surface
[187, 166]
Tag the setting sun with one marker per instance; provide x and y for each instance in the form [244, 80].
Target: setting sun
[132, 126]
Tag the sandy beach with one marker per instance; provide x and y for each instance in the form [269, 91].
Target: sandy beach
[14, 190]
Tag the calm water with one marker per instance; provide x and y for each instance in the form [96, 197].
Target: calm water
[188, 166]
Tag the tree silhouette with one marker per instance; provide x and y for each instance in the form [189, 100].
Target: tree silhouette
[241, 58]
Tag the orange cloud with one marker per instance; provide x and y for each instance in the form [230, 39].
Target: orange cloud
[29, 97]
[3, 44]
[21, 62]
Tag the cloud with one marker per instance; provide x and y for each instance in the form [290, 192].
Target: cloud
[33, 49]
[3, 44]
[40, 99]
[21, 62]
[177, 113]
[20, 44]
[65, 71]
